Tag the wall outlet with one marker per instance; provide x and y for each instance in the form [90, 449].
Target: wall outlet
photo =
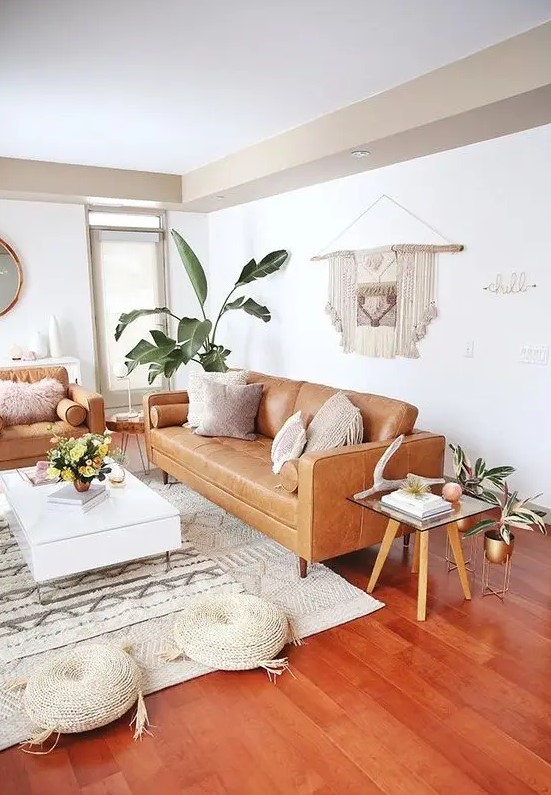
[534, 354]
[469, 349]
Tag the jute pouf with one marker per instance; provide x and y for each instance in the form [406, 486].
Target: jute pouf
[234, 632]
[83, 689]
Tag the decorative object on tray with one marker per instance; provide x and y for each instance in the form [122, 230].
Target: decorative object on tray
[415, 499]
[288, 442]
[234, 632]
[230, 410]
[475, 479]
[498, 538]
[16, 352]
[122, 373]
[54, 338]
[68, 498]
[196, 386]
[380, 483]
[80, 690]
[195, 339]
[452, 492]
[337, 423]
[24, 403]
[37, 475]
[118, 461]
[80, 461]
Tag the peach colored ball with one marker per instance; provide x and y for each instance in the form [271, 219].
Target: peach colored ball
[451, 492]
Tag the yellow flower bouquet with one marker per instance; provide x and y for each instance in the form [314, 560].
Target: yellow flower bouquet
[81, 460]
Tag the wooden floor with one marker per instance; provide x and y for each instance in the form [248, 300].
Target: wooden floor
[460, 704]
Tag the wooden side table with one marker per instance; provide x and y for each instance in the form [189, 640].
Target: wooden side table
[466, 507]
[131, 428]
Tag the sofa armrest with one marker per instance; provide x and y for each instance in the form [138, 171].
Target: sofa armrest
[93, 403]
[329, 523]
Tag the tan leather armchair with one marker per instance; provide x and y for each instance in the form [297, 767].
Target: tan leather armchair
[79, 412]
[305, 508]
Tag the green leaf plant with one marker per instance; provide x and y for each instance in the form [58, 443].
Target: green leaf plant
[476, 480]
[196, 337]
[513, 513]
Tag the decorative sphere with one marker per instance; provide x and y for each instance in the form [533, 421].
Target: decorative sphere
[451, 492]
[120, 370]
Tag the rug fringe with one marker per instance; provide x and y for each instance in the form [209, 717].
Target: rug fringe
[140, 719]
[275, 668]
[39, 738]
[171, 655]
[17, 683]
[294, 637]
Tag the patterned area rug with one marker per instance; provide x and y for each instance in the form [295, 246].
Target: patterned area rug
[132, 603]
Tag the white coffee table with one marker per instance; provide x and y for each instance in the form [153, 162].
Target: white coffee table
[133, 522]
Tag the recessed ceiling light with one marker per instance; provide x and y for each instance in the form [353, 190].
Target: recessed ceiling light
[360, 153]
[220, 197]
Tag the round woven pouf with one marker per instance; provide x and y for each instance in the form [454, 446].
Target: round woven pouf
[83, 689]
[234, 632]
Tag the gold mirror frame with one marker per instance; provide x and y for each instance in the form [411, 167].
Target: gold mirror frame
[15, 258]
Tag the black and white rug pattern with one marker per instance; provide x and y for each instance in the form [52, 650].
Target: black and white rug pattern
[133, 603]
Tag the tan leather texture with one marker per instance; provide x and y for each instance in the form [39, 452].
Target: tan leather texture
[316, 521]
[33, 374]
[1, 424]
[70, 412]
[165, 416]
[93, 403]
[24, 445]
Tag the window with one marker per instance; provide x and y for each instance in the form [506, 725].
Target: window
[128, 273]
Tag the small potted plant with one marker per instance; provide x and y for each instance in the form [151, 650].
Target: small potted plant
[79, 460]
[499, 541]
[473, 479]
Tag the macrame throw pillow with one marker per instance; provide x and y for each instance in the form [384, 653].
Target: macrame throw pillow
[83, 689]
[233, 632]
[22, 403]
[195, 390]
[338, 422]
[288, 442]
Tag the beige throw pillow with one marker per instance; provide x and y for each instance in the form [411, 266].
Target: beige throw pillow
[288, 442]
[229, 410]
[197, 378]
[338, 422]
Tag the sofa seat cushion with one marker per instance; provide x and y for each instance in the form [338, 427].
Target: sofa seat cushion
[240, 468]
[28, 441]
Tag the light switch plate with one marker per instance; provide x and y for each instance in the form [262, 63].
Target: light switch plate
[469, 349]
[534, 354]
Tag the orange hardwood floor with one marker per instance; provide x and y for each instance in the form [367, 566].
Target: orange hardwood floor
[459, 705]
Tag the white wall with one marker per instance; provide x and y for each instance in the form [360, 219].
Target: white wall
[493, 197]
[51, 242]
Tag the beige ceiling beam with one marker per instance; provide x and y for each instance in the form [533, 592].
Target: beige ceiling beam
[36, 179]
[497, 91]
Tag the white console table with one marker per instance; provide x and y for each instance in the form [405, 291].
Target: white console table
[71, 364]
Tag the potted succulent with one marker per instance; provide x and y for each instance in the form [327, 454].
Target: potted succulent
[499, 541]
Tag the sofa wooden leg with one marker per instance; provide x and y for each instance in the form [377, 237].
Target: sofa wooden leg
[302, 567]
[165, 477]
[406, 540]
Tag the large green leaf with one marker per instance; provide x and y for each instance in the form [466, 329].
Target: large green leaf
[161, 340]
[193, 267]
[484, 524]
[214, 360]
[251, 307]
[129, 317]
[257, 270]
[192, 334]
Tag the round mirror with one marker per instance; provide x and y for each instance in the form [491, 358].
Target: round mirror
[11, 278]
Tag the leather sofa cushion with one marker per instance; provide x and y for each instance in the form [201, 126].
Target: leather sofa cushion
[240, 468]
[33, 374]
[276, 404]
[29, 441]
[383, 418]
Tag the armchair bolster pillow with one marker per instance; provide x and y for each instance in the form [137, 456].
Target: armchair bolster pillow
[171, 414]
[72, 413]
[289, 475]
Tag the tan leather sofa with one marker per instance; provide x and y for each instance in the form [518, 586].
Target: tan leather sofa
[24, 445]
[309, 514]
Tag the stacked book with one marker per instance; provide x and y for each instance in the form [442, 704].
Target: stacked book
[72, 501]
[423, 507]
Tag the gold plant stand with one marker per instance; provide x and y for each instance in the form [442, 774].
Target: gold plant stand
[487, 566]
[469, 547]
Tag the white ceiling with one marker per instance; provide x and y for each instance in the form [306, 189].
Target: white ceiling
[168, 85]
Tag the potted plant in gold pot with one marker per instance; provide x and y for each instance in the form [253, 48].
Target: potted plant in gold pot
[513, 513]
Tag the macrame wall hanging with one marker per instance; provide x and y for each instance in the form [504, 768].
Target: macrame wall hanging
[382, 300]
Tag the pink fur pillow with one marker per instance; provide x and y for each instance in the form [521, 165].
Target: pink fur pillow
[22, 403]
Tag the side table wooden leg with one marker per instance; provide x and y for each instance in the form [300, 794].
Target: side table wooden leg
[415, 561]
[455, 544]
[423, 575]
[390, 534]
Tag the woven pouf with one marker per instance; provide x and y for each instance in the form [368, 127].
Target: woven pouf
[83, 689]
[234, 632]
